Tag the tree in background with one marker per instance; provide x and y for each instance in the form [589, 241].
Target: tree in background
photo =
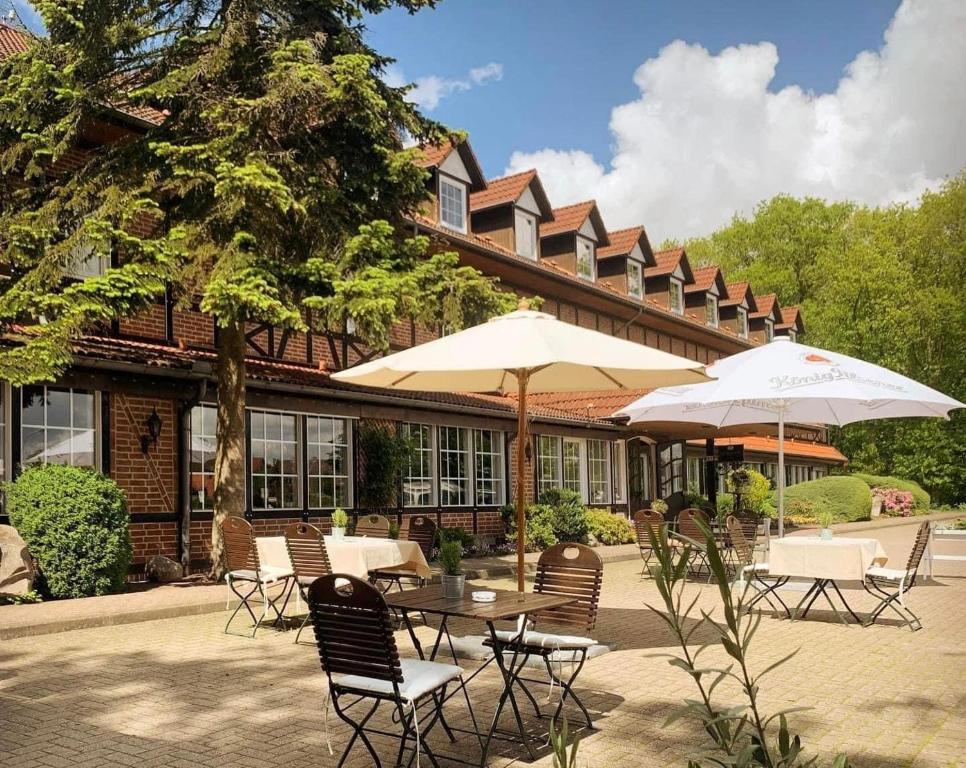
[275, 182]
[881, 284]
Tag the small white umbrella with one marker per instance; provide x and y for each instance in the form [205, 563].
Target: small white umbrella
[788, 382]
[525, 351]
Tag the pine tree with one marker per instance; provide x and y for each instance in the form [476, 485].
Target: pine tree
[271, 169]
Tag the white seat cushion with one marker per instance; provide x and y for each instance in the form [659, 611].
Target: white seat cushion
[266, 574]
[893, 574]
[546, 640]
[419, 678]
[756, 568]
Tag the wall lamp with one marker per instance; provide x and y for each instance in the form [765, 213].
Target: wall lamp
[153, 425]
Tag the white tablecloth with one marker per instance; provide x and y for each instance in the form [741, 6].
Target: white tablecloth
[355, 555]
[839, 558]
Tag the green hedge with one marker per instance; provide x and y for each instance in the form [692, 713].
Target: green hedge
[604, 527]
[75, 523]
[920, 497]
[846, 497]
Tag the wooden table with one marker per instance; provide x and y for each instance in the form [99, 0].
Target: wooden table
[507, 606]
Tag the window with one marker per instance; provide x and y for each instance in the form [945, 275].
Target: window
[526, 234]
[327, 442]
[454, 467]
[742, 318]
[792, 334]
[87, 261]
[670, 469]
[274, 460]
[419, 485]
[585, 259]
[57, 426]
[203, 441]
[548, 463]
[769, 330]
[572, 470]
[619, 465]
[452, 204]
[676, 296]
[711, 310]
[696, 474]
[598, 472]
[635, 286]
[488, 454]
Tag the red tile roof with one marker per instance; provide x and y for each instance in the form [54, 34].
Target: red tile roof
[570, 218]
[800, 448]
[665, 262]
[431, 155]
[704, 278]
[736, 292]
[766, 305]
[791, 317]
[622, 242]
[11, 40]
[506, 189]
[595, 405]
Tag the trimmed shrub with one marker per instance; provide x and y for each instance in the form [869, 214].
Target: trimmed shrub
[921, 500]
[726, 505]
[604, 527]
[457, 533]
[75, 523]
[845, 498]
[539, 533]
[569, 521]
[755, 491]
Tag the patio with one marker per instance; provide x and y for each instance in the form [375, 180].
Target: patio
[178, 692]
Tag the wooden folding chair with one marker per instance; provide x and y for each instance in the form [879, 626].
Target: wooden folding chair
[420, 529]
[890, 585]
[689, 534]
[241, 556]
[746, 570]
[647, 521]
[373, 526]
[357, 649]
[306, 549]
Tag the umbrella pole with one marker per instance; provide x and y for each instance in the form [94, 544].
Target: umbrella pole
[522, 380]
[781, 472]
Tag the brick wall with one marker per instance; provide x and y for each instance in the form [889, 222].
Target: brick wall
[150, 481]
[150, 539]
[194, 328]
[528, 476]
[149, 324]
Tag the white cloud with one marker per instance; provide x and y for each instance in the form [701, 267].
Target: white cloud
[428, 91]
[707, 138]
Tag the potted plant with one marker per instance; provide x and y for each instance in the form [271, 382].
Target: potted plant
[825, 518]
[340, 521]
[453, 578]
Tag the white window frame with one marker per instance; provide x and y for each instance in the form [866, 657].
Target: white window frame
[711, 310]
[618, 463]
[675, 295]
[464, 447]
[769, 330]
[422, 448]
[207, 503]
[88, 261]
[282, 475]
[553, 459]
[581, 464]
[635, 279]
[460, 194]
[525, 234]
[494, 458]
[94, 429]
[589, 250]
[741, 320]
[792, 335]
[319, 477]
[601, 462]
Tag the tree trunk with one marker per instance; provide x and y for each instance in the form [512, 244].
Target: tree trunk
[230, 436]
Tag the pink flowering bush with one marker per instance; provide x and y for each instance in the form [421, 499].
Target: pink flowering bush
[895, 502]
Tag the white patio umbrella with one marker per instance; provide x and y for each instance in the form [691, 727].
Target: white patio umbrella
[787, 382]
[525, 351]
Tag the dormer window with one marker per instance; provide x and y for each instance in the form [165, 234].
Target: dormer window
[769, 330]
[635, 284]
[585, 259]
[87, 261]
[676, 296]
[452, 204]
[742, 318]
[711, 310]
[526, 234]
[792, 334]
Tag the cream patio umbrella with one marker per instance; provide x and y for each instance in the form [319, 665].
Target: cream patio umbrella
[784, 382]
[525, 351]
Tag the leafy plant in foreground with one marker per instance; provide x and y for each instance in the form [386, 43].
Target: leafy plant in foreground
[742, 734]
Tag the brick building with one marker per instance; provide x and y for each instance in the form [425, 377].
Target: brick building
[157, 368]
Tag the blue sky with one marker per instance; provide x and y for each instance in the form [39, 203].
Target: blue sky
[562, 55]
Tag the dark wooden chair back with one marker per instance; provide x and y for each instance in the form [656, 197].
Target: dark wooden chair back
[422, 530]
[240, 550]
[353, 628]
[742, 542]
[570, 570]
[374, 526]
[306, 550]
[687, 525]
[919, 548]
[646, 521]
